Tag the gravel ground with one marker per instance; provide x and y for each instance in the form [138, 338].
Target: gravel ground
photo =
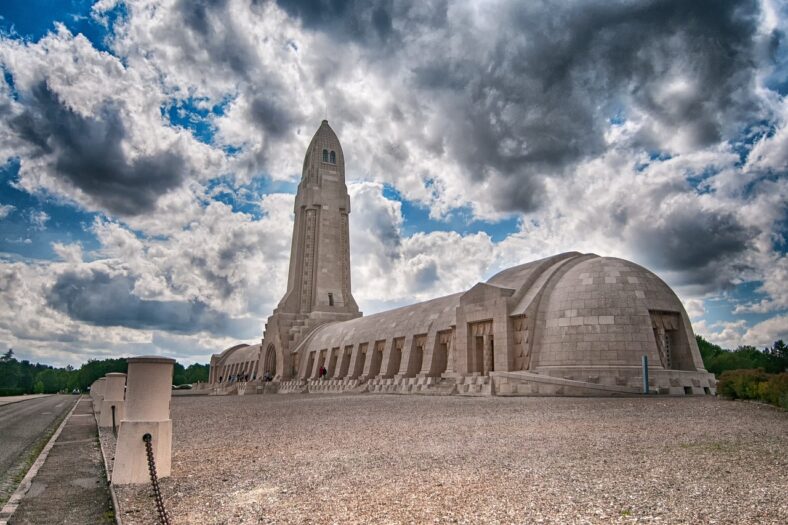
[415, 459]
[108, 442]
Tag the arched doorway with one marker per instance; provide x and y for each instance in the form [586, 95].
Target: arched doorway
[269, 362]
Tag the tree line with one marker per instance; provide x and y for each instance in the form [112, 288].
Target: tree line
[717, 360]
[23, 377]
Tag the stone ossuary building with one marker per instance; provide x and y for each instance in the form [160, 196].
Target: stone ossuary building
[570, 324]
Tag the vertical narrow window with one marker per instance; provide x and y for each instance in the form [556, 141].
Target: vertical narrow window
[333, 157]
[330, 299]
[325, 155]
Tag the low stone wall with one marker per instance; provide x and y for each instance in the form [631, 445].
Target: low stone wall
[555, 382]
[664, 382]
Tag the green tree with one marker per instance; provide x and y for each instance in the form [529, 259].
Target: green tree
[23, 377]
[717, 359]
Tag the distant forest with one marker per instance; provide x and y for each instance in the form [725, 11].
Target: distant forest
[24, 377]
[717, 360]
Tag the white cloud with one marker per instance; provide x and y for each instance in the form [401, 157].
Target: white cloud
[767, 332]
[71, 253]
[38, 219]
[6, 210]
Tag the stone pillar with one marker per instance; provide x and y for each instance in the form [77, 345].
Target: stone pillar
[354, 357]
[341, 359]
[386, 368]
[450, 352]
[114, 394]
[330, 365]
[98, 386]
[372, 355]
[488, 355]
[314, 373]
[431, 346]
[148, 393]
[408, 350]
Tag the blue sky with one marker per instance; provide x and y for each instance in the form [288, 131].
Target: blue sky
[154, 151]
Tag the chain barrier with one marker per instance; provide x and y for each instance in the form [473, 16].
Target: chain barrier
[164, 518]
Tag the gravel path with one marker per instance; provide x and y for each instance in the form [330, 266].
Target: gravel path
[414, 459]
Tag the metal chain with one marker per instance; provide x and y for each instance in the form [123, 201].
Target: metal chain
[164, 518]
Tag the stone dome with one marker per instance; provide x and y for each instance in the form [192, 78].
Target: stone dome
[609, 312]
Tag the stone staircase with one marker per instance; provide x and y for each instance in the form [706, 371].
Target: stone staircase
[413, 385]
[224, 390]
[293, 386]
[475, 386]
[336, 386]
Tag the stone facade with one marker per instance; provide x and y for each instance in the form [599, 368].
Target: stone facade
[570, 324]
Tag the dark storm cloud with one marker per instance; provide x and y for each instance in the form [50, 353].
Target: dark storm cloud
[88, 151]
[426, 277]
[102, 299]
[272, 117]
[550, 94]
[346, 19]
[210, 28]
[694, 242]
[533, 94]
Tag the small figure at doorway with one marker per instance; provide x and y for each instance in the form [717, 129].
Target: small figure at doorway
[323, 372]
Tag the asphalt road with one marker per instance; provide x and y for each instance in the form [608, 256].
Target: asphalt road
[21, 425]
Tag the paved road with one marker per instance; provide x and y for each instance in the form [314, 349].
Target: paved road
[21, 426]
[5, 400]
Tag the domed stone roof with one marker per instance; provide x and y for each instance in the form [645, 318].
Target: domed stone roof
[603, 311]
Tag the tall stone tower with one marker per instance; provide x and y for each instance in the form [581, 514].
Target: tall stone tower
[318, 282]
[319, 277]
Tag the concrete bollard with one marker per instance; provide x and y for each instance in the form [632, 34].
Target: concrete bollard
[99, 399]
[114, 394]
[147, 411]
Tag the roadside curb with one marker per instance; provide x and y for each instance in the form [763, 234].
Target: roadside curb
[112, 494]
[16, 498]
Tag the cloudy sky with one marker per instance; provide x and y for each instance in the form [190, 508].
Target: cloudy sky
[150, 150]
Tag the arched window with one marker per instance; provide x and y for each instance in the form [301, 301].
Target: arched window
[325, 155]
[333, 158]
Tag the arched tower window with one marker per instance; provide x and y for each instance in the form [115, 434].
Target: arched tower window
[325, 155]
[333, 158]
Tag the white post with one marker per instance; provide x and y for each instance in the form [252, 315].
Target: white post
[114, 393]
[148, 393]
[98, 400]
